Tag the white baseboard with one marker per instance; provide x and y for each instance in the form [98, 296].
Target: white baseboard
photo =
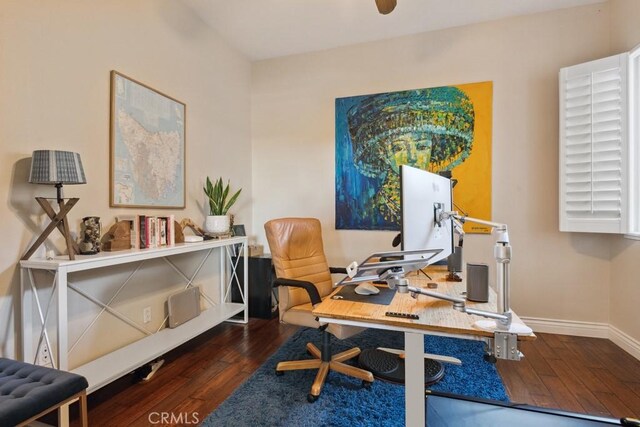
[624, 341]
[568, 327]
[586, 329]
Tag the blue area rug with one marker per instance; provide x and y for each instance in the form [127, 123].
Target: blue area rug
[269, 400]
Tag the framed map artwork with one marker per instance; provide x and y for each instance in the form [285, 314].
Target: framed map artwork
[147, 140]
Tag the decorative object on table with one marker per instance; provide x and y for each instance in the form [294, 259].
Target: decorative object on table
[56, 168]
[218, 221]
[179, 233]
[199, 234]
[188, 222]
[90, 244]
[134, 229]
[237, 230]
[435, 129]
[147, 146]
[118, 238]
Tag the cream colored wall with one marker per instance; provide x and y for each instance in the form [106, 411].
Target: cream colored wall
[625, 253]
[55, 59]
[554, 275]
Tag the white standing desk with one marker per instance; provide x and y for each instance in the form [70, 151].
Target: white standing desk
[437, 317]
[118, 363]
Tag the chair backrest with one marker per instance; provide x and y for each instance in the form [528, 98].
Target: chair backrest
[297, 253]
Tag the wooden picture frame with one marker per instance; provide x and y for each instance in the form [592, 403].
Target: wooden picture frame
[147, 147]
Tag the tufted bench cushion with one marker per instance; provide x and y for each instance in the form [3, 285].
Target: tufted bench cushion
[27, 390]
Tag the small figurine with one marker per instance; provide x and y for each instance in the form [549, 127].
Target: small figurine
[90, 244]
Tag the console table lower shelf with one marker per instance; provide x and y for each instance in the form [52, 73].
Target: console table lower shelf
[110, 367]
[182, 263]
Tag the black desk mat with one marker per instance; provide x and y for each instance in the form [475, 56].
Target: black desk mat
[348, 293]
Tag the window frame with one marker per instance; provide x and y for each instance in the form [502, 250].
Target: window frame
[634, 144]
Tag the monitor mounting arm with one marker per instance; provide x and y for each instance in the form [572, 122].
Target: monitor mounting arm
[393, 272]
[501, 252]
[395, 280]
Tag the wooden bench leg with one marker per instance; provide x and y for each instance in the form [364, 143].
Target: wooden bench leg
[63, 415]
[84, 420]
[63, 411]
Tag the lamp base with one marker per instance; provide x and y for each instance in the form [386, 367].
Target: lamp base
[59, 221]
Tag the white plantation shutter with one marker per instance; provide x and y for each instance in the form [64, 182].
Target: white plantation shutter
[594, 146]
[634, 141]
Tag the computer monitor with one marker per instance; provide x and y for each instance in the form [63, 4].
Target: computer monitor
[421, 192]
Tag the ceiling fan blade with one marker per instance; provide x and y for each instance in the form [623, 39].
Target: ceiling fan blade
[386, 6]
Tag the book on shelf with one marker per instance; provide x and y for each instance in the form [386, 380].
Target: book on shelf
[142, 220]
[150, 231]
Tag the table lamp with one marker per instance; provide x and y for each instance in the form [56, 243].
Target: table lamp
[56, 168]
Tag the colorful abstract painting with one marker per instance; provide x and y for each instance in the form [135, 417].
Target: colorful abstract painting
[436, 129]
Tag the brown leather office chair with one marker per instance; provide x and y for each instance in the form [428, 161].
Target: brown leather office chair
[303, 280]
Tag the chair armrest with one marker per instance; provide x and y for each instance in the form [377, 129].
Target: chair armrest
[311, 289]
[338, 270]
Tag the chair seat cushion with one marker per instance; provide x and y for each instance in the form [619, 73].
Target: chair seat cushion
[301, 315]
[27, 390]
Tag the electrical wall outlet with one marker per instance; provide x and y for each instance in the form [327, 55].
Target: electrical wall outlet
[146, 315]
[44, 358]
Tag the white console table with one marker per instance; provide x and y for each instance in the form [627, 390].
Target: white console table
[118, 363]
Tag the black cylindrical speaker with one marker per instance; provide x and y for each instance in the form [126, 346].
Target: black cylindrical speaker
[478, 282]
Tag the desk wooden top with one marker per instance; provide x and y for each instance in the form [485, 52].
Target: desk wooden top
[435, 315]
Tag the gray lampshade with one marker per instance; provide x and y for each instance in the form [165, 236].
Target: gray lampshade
[56, 167]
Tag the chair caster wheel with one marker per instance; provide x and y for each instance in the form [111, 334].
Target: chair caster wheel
[366, 384]
[279, 373]
[311, 398]
[490, 358]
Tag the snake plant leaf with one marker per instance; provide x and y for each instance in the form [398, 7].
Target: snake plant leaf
[217, 195]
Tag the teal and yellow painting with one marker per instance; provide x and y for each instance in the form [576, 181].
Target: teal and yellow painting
[436, 129]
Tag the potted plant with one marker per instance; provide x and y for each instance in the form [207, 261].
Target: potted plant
[218, 221]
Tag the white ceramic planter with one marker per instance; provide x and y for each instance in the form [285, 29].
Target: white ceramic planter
[217, 224]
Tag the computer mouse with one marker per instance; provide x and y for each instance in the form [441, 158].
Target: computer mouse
[366, 289]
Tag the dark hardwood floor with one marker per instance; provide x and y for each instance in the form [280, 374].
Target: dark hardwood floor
[585, 375]
[195, 378]
[588, 375]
